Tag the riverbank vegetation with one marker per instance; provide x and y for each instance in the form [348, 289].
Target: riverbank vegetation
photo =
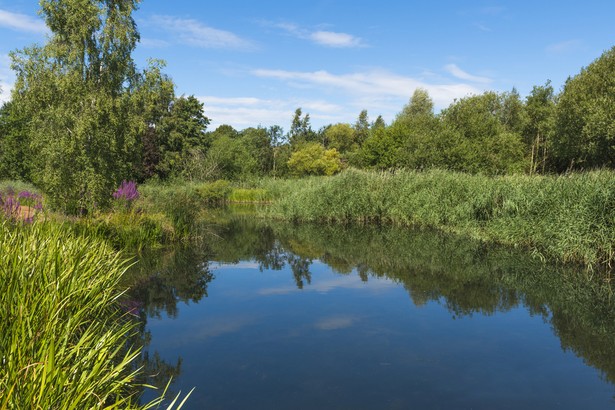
[534, 172]
[65, 336]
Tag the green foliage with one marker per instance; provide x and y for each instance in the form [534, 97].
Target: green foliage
[216, 192]
[249, 195]
[182, 136]
[301, 129]
[483, 130]
[585, 124]
[75, 93]
[565, 218]
[341, 137]
[14, 144]
[539, 128]
[64, 334]
[181, 203]
[313, 159]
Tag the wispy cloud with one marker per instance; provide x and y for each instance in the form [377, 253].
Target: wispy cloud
[197, 34]
[457, 72]
[483, 27]
[321, 37]
[333, 39]
[564, 46]
[335, 322]
[22, 22]
[374, 83]
[6, 78]
[325, 286]
[153, 42]
[242, 112]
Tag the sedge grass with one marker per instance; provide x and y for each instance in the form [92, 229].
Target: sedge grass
[65, 339]
[570, 218]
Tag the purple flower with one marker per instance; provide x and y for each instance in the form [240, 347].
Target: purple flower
[127, 191]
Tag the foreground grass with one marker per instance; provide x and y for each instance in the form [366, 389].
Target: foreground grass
[568, 218]
[65, 338]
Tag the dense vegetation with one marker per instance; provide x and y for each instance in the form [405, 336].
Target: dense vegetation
[133, 127]
[65, 334]
[84, 123]
[567, 218]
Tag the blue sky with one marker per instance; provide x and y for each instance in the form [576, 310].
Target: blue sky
[253, 62]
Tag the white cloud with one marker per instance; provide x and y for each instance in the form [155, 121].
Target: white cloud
[194, 33]
[457, 72]
[244, 112]
[326, 286]
[6, 78]
[153, 43]
[564, 46]
[374, 84]
[335, 322]
[333, 39]
[321, 37]
[22, 22]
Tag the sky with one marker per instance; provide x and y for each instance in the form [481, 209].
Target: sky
[254, 62]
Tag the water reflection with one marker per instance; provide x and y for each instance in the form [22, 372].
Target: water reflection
[466, 277]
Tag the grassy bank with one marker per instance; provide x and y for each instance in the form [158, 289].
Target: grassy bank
[568, 218]
[65, 337]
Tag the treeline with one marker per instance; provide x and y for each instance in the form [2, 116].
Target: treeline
[82, 118]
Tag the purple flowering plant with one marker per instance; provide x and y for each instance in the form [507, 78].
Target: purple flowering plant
[126, 193]
[21, 206]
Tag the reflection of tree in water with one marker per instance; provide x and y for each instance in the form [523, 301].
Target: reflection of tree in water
[162, 280]
[158, 282]
[300, 268]
[465, 276]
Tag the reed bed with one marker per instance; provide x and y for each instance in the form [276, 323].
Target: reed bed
[65, 338]
[569, 218]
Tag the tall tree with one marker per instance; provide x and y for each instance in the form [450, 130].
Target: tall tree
[361, 128]
[76, 92]
[585, 117]
[539, 128]
[301, 129]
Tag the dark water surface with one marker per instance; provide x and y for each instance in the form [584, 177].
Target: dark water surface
[319, 317]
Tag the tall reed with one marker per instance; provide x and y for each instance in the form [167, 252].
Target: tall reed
[65, 338]
[569, 218]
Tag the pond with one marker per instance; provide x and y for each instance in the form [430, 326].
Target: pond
[272, 315]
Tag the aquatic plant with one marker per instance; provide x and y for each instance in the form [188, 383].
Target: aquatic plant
[65, 336]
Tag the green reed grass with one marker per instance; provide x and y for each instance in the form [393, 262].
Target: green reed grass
[65, 338]
[569, 218]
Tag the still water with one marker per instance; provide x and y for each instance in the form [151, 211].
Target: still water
[265, 316]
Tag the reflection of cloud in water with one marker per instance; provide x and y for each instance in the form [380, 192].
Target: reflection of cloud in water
[335, 322]
[340, 282]
[239, 265]
[206, 329]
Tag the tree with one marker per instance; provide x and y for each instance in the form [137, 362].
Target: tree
[420, 105]
[361, 128]
[154, 95]
[183, 134]
[15, 156]
[585, 117]
[313, 159]
[482, 142]
[76, 92]
[257, 141]
[276, 139]
[300, 129]
[340, 136]
[539, 128]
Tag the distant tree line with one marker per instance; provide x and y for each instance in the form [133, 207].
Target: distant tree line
[82, 118]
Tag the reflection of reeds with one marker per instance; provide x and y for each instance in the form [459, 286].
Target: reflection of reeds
[64, 335]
